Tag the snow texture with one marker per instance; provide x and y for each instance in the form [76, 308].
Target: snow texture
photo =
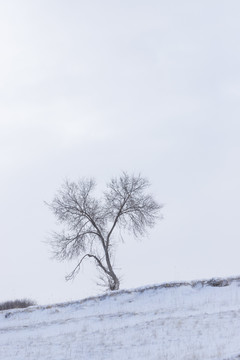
[190, 321]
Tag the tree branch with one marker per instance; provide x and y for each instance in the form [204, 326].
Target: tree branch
[77, 268]
[115, 221]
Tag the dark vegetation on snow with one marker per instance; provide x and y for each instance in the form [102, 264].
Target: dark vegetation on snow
[16, 304]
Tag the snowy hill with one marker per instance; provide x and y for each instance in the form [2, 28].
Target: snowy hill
[198, 320]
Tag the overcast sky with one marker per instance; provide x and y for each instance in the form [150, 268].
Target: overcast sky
[91, 88]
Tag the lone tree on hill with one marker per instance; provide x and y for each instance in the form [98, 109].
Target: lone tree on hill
[91, 223]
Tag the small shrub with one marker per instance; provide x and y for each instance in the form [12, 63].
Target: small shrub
[16, 304]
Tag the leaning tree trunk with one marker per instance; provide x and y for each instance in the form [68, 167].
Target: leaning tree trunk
[113, 280]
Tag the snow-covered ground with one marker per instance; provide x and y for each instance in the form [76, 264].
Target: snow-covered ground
[162, 322]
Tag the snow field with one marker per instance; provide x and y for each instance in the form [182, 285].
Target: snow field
[156, 323]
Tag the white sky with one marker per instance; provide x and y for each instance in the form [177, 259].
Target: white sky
[91, 88]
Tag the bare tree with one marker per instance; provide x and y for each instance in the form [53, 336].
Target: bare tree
[91, 223]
